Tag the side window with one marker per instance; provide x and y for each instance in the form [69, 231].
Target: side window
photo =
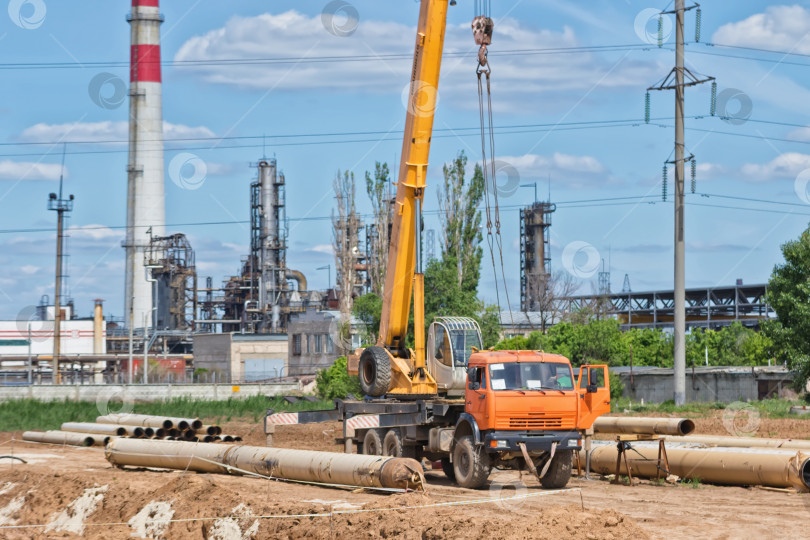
[477, 378]
[440, 349]
[596, 377]
[297, 344]
[317, 343]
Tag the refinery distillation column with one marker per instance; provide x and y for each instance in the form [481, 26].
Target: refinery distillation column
[146, 207]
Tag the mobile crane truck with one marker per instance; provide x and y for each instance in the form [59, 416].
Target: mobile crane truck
[448, 400]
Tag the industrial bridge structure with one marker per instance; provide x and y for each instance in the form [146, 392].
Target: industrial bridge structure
[712, 307]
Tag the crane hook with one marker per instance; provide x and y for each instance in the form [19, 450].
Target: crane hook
[482, 28]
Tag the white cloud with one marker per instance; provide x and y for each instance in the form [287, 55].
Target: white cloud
[572, 171]
[28, 170]
[103, 131]
[94, 232]
[328, 249]
[294, 35]
[802, 134]
[784, 28]
[786, 166]
[29, 269]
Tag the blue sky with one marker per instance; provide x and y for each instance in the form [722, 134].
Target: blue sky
[752, 154]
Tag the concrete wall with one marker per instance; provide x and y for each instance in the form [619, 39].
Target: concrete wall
[102, 394]
[725, 385]
[212, 352]
[260, 347]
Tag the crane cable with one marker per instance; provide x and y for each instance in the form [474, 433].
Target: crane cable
[482, 30]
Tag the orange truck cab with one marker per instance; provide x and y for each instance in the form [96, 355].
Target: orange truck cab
[531, 399]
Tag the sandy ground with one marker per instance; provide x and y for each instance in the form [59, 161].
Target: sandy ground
[73, 492]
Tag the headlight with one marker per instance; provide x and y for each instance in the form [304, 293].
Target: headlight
[573, 442]
[498, 444]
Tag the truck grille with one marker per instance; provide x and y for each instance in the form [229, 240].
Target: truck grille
[537, 421]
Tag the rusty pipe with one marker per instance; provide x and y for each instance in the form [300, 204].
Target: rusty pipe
[227, 438]
[299, 277]
[210, 430]
[189, 434]
[59, 437]
[303, 465]
[736, 467]
[643, 426]
[89, 427]
[160, 433]
[742, 442]
[149, 432]
[134, 431]
[145, 420]
[141, 420]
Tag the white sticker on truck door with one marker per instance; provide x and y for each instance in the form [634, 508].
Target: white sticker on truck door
[498, 384]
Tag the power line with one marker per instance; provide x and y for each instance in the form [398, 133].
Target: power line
[407, 56]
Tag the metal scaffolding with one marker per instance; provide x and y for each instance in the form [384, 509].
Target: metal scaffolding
[535, 254]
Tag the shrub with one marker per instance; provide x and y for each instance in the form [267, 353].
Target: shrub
[335, 382]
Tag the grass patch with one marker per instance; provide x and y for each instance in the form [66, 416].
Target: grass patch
[694, 483]
[768, 408]
[29, 414]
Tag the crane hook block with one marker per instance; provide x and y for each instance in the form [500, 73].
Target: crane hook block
[482, 28]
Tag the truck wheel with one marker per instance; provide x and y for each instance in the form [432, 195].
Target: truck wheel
[394, 446]
[471, 464]
[559, 472]
[372, 445]
[374, 370]
[447, 469]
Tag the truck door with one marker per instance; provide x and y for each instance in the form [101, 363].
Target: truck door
[593, 387]
[475, 395]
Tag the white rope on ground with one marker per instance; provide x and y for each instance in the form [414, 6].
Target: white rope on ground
[335, 512]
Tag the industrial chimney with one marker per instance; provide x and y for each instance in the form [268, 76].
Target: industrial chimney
[146, 206]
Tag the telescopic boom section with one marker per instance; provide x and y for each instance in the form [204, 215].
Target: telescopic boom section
[404, 276]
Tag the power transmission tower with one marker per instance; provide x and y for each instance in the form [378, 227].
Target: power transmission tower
[626, 286]
[677, 80]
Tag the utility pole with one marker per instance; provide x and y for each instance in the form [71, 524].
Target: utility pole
[677, 80]
[61, 206]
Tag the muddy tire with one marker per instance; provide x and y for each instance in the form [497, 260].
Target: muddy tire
[394, 446]
[559, 472]
[447, 469]
[372, 443]
[374, 371]
[471, 464]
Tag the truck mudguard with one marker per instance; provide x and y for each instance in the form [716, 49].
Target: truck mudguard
[467, 418]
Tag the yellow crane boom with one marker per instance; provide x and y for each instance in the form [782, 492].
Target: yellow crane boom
[390, 367]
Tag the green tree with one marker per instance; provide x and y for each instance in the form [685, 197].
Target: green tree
[379, 194]
[461, 223]
[368, 308]
[789, 296]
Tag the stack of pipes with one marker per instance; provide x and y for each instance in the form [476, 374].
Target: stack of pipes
[737, 461]
[135, 426]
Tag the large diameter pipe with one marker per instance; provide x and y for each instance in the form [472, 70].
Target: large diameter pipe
[303, 465]
[742, 442]
[89, 427]
[643, 426]
[210, 430]
[735, 467]
[59, 437]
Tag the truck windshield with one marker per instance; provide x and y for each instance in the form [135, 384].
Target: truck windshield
[531, 376]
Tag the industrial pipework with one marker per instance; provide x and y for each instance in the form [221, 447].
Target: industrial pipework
[301, 465]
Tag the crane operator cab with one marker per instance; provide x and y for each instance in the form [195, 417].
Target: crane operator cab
[450, 343]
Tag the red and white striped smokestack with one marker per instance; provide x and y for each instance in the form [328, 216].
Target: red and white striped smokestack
[146, 204]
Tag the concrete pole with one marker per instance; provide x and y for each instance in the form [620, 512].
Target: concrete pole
[680, 251]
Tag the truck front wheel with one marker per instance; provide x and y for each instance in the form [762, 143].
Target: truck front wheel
[559, 472]
[471, 464]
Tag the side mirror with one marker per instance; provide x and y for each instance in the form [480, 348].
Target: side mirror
[475, 386]
[591, 388]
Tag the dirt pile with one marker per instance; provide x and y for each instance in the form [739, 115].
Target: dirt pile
[177, 505]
